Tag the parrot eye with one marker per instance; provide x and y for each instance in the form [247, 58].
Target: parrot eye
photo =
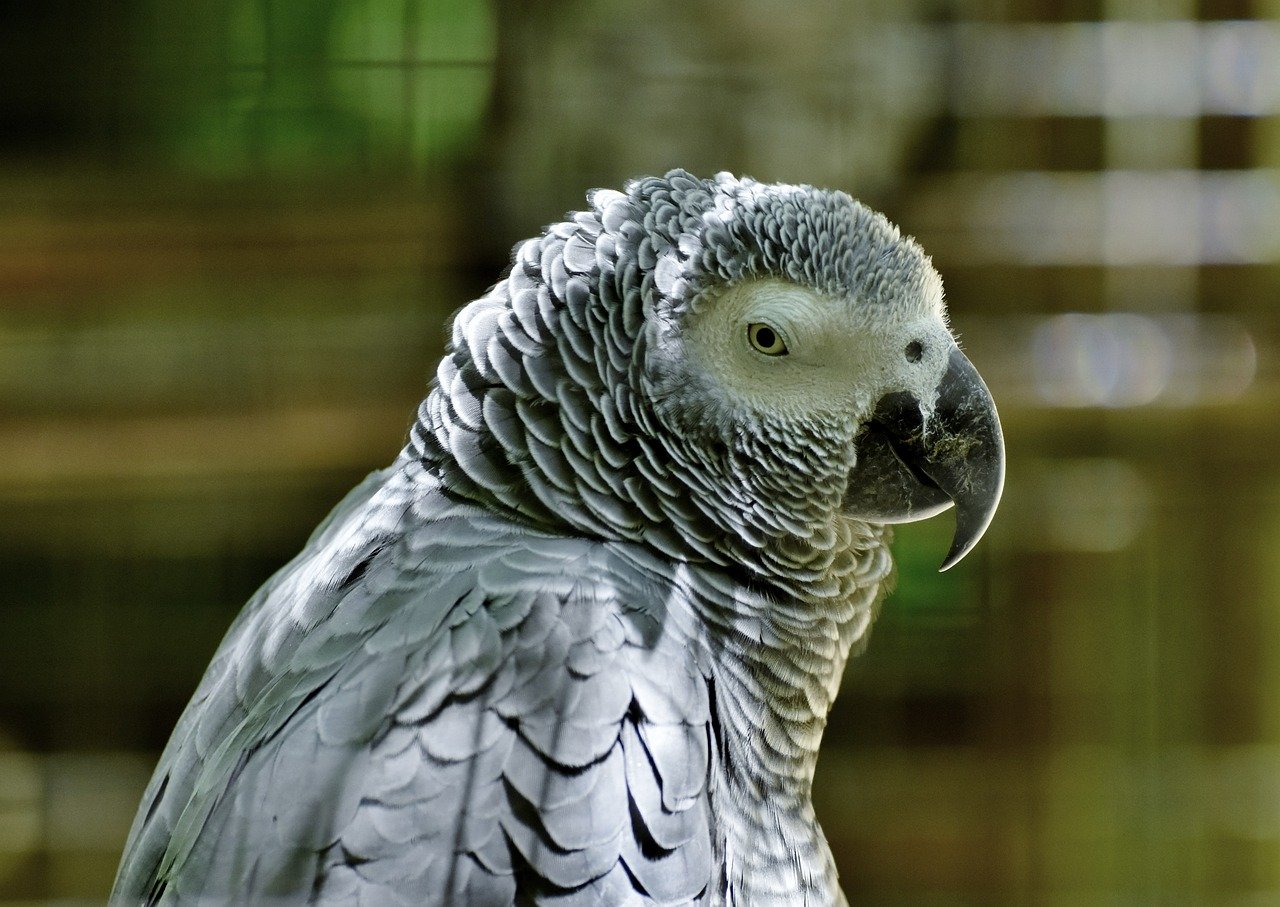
[765, 339]
[915, 349]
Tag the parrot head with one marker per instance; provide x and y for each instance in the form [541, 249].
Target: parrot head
[799, 327]
[723, 369]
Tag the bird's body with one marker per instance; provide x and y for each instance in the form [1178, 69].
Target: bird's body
[578, 644]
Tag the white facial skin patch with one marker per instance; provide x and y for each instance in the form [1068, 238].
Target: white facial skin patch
[840, 357]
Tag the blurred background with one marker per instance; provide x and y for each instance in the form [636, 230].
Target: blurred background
[231, 230]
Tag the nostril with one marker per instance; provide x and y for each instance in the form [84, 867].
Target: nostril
[915, 349]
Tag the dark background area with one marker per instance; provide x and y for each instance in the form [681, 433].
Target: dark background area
[231, 231]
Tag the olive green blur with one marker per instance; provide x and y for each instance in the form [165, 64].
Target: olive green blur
[231, 233]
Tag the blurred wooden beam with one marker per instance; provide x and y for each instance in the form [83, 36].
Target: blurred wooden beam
[134, 234]
[52, 458]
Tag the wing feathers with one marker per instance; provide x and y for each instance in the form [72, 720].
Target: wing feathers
[514, 727]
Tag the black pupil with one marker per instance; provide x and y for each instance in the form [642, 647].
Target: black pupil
[915, 349]
[765, 337]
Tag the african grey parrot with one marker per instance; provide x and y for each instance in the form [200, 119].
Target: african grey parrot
[577, 645]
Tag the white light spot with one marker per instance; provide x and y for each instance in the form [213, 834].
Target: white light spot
[1101, 360]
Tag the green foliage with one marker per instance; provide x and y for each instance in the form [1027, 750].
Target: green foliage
[923, 594]
[298, 86]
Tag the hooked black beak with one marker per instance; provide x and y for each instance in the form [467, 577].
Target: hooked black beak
[911, 467]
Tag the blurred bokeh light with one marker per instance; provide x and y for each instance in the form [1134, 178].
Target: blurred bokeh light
[231, 232]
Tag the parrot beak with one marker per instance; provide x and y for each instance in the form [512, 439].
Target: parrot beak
[911, 467]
